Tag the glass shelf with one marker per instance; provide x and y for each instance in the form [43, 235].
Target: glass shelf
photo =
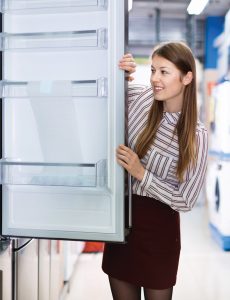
[53, 174]
[88, 39]
[87, 88]
[50, 6]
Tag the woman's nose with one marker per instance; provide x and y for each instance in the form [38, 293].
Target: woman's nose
[155, 77]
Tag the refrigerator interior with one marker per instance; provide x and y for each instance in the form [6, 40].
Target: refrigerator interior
[62, 119]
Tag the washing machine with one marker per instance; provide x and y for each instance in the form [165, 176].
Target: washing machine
[218, 195]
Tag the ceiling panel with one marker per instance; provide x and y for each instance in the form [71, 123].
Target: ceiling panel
[153, 21]
[179, 7]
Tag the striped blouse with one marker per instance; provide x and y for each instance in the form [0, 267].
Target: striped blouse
[160, 180]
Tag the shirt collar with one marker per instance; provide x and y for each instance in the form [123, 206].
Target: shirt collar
[171, 118]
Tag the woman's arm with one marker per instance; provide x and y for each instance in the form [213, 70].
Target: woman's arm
[184, 196]
[180, 198]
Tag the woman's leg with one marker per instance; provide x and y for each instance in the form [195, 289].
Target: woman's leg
[158, 294]
[122, 290]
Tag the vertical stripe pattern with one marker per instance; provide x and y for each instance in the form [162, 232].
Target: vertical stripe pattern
[160, 180]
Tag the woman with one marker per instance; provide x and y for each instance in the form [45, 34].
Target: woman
[166, 156]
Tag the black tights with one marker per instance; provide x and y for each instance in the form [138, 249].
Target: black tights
[122, 290]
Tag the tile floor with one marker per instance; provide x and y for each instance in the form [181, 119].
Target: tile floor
[204, 270]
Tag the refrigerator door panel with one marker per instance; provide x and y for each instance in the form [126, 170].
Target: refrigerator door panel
[63, 117]
[81, 65]
[80, 123]
[80, 210]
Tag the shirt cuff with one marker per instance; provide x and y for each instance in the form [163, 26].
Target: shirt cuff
[147, 180]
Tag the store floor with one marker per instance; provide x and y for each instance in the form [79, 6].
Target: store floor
[204, 269]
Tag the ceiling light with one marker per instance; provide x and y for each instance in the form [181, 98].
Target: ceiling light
[196, 6]
[130, 4]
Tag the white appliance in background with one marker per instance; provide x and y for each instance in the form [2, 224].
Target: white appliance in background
[219, 204]
[71, 251]
[217, 182]
[26, 279]
[63, 117]
[5, 270]
[56, 270]
[220, 130]
[44, 278]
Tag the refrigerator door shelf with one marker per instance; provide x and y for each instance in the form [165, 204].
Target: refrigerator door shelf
[53, 174]
[71, 212]
[58, 88]
[50, 6]
[88, 39]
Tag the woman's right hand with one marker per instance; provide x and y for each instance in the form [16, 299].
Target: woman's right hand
[127, 63]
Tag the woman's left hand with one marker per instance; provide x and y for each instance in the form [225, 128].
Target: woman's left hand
[130, 161]
[127, 63]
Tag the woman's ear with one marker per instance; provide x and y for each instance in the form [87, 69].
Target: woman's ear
[187, 78]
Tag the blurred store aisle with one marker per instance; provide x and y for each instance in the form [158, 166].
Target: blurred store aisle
[204, 269]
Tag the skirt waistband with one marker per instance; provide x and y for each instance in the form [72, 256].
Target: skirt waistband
[153, 202]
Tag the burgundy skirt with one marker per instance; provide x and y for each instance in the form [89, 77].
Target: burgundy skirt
[151, 255]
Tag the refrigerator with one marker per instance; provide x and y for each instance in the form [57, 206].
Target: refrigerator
[63, 115]
[26, 270]
[71, 252]
[44, 263]
[56, 270]
[217, 183]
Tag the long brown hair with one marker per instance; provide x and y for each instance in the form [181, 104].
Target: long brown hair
[181, 56]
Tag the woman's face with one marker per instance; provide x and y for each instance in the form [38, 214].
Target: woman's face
[167, 82]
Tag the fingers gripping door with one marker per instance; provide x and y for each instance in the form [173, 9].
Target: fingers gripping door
[63, 117]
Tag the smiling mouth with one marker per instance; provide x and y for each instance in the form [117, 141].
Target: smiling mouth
[157, 89]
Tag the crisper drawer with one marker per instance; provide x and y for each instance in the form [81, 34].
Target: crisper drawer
[63, 118]
[57, 199]
[37, 210]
